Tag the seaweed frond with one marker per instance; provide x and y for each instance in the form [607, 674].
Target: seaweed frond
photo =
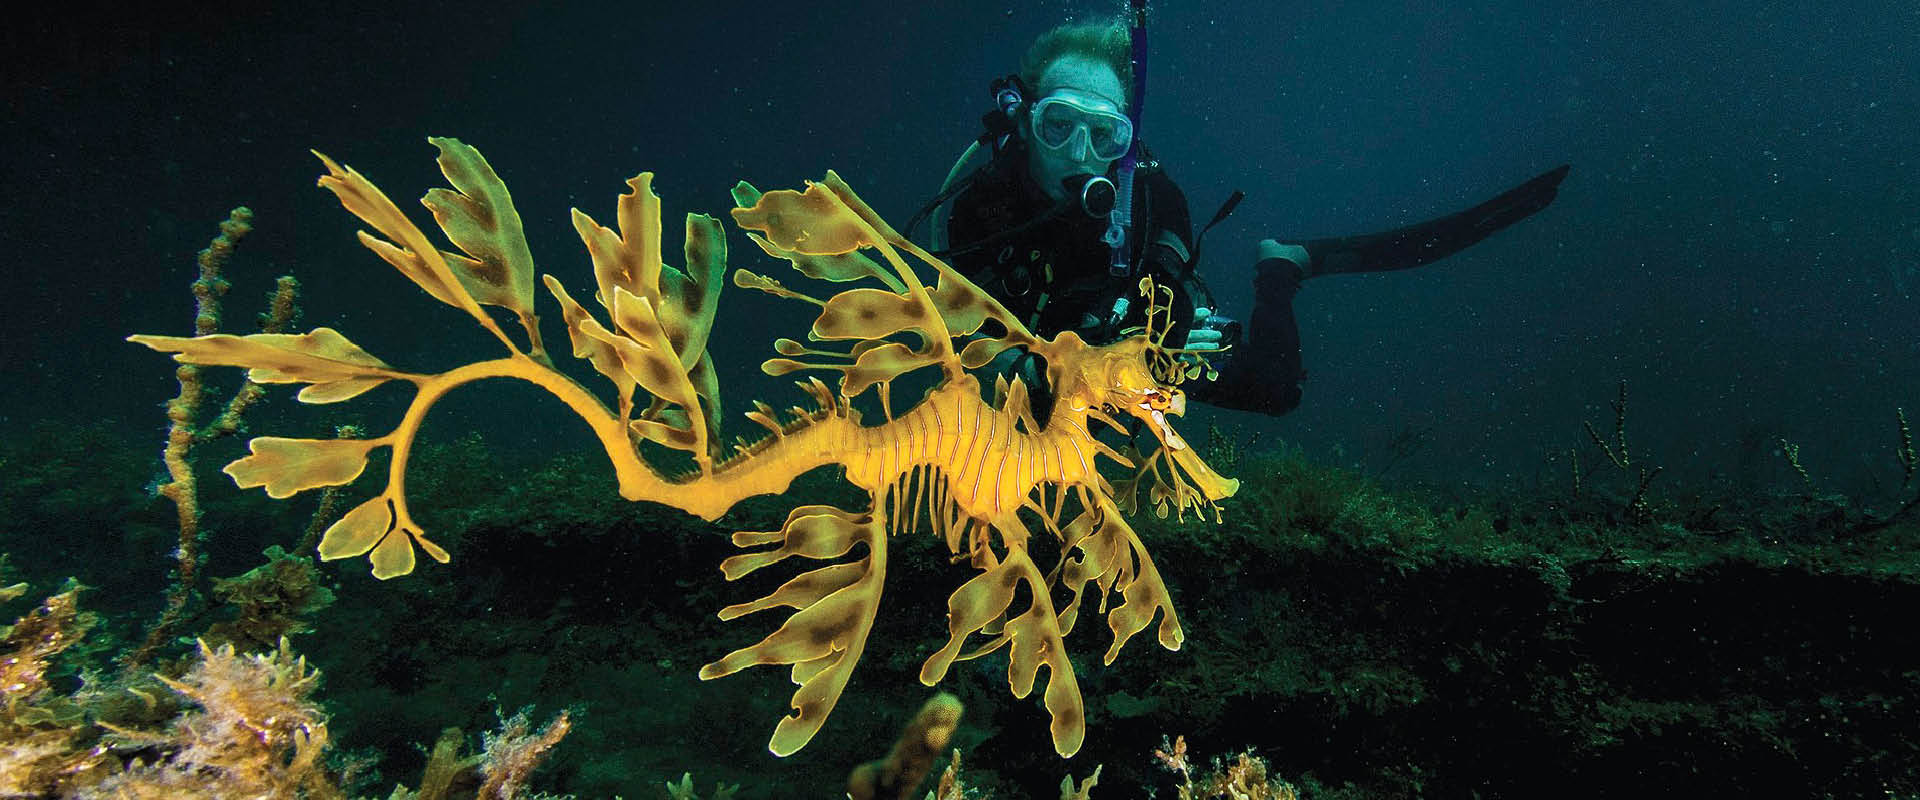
[257, 733]
[513, 753]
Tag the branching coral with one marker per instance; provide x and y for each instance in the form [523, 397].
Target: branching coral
[970, 467]
[1908, 487]
[1906, 498]
[1618, 454]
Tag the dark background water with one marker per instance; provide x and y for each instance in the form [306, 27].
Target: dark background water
[1738, 239]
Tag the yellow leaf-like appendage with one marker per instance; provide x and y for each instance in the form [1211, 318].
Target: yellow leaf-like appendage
[868, 314]
[814, 222]
[337, 368]
[1108, 553]
[478, 216]
[839, 267]
[878, 365]
[591, 340]
[1035, 635]
[406, 248]
[837, 603]
[652, 361]
[287, 467]
[695, 294]
[630, 259]
[374, 526]
[683, 302]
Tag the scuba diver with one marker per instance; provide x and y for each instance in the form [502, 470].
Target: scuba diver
[1071, 210]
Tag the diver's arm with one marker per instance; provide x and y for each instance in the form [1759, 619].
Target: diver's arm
[1425, 242]
[1170, 257]
[1121, 306]
[965, 223]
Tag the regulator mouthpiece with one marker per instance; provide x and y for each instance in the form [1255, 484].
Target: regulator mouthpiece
[1096, 194]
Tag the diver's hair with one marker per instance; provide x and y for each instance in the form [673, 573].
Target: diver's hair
[1103, 41]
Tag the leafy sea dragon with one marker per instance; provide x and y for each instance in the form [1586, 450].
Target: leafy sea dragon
[977, 471]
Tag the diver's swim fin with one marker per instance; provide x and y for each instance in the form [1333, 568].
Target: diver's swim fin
[1427, 242]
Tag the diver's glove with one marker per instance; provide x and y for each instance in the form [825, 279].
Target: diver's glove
[1211, 332]
[1212, 337]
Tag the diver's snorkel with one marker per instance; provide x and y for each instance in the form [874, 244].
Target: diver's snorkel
[1120, 223]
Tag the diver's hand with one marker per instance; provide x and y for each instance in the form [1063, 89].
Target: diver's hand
[1211, 332]
[1210, 343]
[1203, 339]
[1200, 336]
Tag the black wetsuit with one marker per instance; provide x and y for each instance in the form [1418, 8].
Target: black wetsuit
[1054, 274]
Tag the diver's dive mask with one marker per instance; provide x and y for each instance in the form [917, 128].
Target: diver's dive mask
[1068, 115]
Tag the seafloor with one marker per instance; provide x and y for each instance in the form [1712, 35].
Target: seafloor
[1610, 636]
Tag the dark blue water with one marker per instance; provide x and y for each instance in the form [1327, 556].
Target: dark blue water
[1737, 239]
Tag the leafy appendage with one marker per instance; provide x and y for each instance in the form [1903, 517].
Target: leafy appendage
[667, 312]
[1176, 481]
[813, 222]
[837, 268]
[287, 467]
[1036, 636]
[836, 605]
[593, 342]
[478, 216]
[337, 368]
[382, 528]
[405, 247]
[826, 220]
[1109, 555]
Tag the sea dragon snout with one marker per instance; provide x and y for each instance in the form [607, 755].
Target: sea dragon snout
[1139, 378]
